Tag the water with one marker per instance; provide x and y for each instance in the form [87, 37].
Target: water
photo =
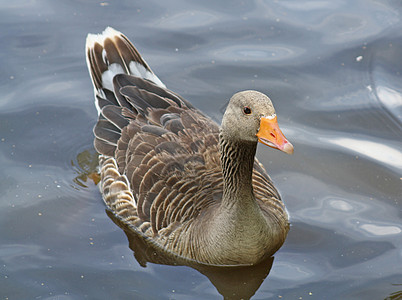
[333, 70]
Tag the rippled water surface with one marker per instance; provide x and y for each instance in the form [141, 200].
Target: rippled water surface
[333, 70]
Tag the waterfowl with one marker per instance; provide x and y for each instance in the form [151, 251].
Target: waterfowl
[177, 179]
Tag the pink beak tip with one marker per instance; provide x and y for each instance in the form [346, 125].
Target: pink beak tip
[288, 148]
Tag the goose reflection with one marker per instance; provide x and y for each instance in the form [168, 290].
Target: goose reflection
[234, 282]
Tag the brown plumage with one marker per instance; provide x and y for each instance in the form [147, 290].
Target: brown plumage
[171, 174]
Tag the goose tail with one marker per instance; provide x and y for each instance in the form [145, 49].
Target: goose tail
[111, 53]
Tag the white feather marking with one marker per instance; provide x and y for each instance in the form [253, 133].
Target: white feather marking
[110, 32]
[139, 70]
[107, 76]
[101, 94]
[104, 58]
[136, 69]
[271, 117]
[97, 105]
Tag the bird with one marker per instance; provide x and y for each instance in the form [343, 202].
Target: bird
[176, 178]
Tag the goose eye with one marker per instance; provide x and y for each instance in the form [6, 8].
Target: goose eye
[247, 110]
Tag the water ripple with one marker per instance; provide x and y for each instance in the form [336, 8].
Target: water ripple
[381, 230]
[255, 53]
[381, 152]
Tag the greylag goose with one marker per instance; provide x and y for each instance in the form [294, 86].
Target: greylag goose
[186, 185]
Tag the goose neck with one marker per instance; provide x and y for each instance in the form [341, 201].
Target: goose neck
[237, 159]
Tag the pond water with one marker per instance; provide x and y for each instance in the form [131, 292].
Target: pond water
[333, 70]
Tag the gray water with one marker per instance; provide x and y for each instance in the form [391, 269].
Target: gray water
[333, 70]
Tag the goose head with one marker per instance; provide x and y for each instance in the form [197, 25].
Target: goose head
[250, 117]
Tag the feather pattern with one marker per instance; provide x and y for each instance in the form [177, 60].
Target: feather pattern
[160, 161]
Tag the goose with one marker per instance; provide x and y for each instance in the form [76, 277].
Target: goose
[183, 183]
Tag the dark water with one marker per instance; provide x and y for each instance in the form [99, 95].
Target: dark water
[333, 70]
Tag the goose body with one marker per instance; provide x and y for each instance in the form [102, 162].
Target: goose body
[175, 177]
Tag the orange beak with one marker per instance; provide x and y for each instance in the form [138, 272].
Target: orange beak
[270, 135]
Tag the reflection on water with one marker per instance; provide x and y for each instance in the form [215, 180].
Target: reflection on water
[381, 230]
[377, 151]
[85, 166]
[392, 100]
